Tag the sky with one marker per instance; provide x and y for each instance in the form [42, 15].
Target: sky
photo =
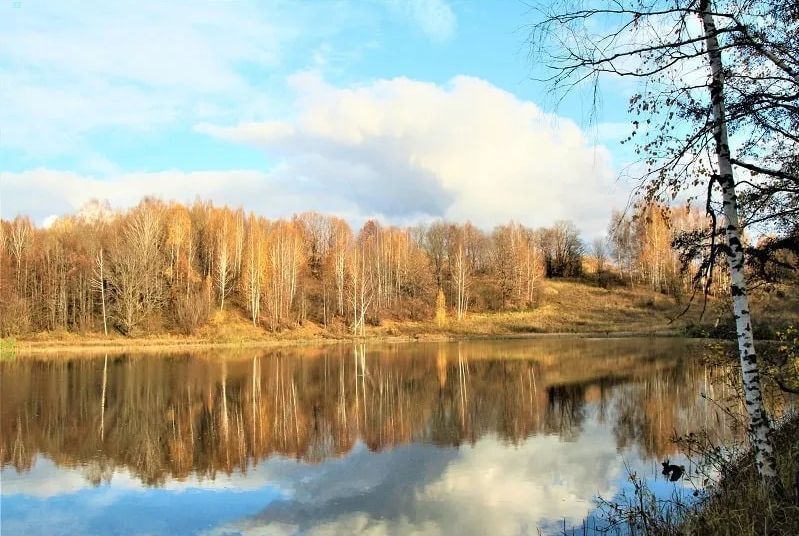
[401, 110]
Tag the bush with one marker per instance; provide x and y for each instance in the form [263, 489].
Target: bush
[14, 316]
[191, 312]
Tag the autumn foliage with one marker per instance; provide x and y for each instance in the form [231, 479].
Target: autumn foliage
[169, 267]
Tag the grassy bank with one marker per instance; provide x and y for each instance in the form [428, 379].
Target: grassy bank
[738, 505]
[741, 507]
[564, 307]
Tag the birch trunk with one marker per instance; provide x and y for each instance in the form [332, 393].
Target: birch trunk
[100, 282]
[759, 427]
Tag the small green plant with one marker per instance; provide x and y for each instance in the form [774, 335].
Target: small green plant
[8, 349]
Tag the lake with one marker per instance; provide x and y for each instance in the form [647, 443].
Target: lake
[483, 437]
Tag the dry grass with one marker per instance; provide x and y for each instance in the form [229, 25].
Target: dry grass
[739, 506]
[742, 507]
[568, 306]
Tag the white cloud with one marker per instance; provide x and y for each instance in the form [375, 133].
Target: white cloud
[400, 150]
[44, 194]
[545, 478]
[49, 221]
[71, 68]
[466, 150]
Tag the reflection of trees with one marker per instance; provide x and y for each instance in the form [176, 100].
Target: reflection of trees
[175, 416]
[640, 419]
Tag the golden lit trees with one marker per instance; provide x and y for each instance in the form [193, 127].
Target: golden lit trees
[178, 233]
[285, 258]
[19, 238]
[99, 284]
[254, 266]
[361, 290]
[340, 244]
[224, 256]
[135, 267]
[517, 263]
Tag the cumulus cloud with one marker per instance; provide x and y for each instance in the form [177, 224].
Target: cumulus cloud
[41, 193]
[71, 68]
[464, 150]
[75, 67]
[400, 150]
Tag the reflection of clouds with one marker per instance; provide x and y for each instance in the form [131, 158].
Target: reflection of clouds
[489, 488]
[544, 479]
[46, 479]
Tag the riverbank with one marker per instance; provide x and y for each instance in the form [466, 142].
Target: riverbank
[176, 343]
[740, 505]
[564, 308]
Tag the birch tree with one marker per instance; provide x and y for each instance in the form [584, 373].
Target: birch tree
[285, 259]
[99, 284]
[253, 273]
[341, 241]
[461, 272]
[224, 257]
[178, 232]
[19, 240]
[361, 288]
[707, 68]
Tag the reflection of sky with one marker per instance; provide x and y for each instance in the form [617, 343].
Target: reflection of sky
[119, 507]
[490, 487]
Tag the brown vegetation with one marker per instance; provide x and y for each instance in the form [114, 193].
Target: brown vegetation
[194, 274]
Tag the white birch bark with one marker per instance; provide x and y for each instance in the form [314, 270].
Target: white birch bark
[100, 283]
[760, 428]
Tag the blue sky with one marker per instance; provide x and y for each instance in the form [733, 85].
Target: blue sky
[401, 110]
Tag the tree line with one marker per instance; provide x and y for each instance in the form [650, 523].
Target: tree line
[648, 247]
[166, 265]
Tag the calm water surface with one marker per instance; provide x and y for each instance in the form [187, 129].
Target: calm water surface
[436, 438]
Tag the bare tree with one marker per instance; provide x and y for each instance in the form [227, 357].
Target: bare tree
[599, 250]
[254, 267]
[224, 264]
[19, 238]
[341, 239]
[135, 267]
[99, 284]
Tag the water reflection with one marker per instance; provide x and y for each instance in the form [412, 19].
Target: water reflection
[543, 427]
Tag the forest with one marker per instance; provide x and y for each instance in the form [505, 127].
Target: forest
[167, 267]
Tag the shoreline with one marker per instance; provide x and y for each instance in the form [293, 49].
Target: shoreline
[86, 345]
